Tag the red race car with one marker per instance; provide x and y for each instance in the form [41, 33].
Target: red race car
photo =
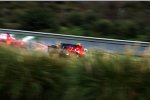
[68, 49]
[6, 38]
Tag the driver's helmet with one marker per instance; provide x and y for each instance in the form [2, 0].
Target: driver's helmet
[79, 44]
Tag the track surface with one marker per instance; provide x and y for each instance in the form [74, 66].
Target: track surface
[110, 45]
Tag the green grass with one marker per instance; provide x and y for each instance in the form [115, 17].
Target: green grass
[97, 76]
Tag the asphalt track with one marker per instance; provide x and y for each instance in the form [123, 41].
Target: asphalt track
[109, 45]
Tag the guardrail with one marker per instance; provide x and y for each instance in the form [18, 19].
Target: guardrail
[81, 38]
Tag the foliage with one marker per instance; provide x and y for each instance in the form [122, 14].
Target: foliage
[126, 29]
[38, 19]
[103, 26]
[28, 75]
[122, 20]
[72, 31]
[74, 18]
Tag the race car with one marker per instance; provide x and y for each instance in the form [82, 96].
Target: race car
[27, 42]
[64, 49]
[7, 39]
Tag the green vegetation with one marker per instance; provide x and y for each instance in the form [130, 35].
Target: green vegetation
[121, 19]
[28, 75]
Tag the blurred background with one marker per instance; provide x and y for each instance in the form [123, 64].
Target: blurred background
[104, 19]
[26, 75]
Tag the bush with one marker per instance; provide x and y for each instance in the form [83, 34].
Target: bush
[1, 22]
[103, 26]
[74, 19]
[106, 77]
[97, 76]
[38, 19]
[27, 76]
[126, 29]
[89, 17]
[72, 30]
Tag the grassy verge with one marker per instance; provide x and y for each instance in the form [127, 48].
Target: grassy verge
[97, 76]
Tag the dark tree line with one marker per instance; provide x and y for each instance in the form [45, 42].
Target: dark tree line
[120, 19]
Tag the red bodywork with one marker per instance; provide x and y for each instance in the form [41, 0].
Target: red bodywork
[77, 50]
[8, 40]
